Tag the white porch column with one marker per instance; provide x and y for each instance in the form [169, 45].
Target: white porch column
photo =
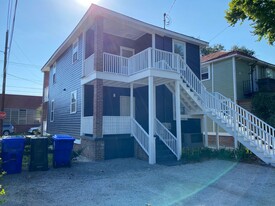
[152, 115]
[178, 119]
[217, 136]
[131, 103]
[153, 51]
[205, 128]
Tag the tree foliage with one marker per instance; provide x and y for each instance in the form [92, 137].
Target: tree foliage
[260, 12]
[263, 106]
[243, 49]
[212, 49]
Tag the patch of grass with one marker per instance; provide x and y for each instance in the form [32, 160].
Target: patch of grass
[202, 153]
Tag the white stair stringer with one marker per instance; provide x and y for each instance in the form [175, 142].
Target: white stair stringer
[188, 99]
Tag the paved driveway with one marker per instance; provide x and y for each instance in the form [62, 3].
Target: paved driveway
[134, 182]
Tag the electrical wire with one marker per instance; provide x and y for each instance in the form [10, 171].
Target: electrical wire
[12, 28]
[35, 82]
[24, 64]
[32, 88]
[219, 33]
[171, 7]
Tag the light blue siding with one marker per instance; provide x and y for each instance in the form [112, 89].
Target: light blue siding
[68, 76]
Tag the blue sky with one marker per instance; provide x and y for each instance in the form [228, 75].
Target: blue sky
[42, 25]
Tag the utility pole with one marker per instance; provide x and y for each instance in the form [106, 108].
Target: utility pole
[164, 20]
[4, 80]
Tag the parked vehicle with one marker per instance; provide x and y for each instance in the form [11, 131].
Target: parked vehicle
[35, 130]
[7, 129]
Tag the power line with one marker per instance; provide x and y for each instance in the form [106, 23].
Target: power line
[24, 87]
[23, 64]
[219, 33]
[171, 7]
[25, 79]
[12, 29]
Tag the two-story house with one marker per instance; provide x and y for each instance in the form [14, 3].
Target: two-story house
[125, 87]
[237, 76]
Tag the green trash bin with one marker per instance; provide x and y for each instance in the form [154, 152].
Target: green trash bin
[39, 154]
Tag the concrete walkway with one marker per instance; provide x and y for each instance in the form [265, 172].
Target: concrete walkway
[134, 182]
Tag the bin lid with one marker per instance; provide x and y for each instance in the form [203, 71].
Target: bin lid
[62, 137]
[13, 138]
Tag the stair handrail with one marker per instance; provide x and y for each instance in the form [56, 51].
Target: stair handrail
[241, 119]
[140, 135]
[166, 136]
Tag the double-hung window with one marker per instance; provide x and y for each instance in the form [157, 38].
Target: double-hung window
[54, 73]
[52, 111]
[205, 74]
[73, 102]
[75, 51]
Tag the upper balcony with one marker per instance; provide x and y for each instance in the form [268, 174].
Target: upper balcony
[146, 60]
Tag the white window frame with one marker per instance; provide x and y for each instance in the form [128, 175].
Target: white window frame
[208, 71]
[54, 73]
[75, 51]
[179, 42]
[71, 102]
[52, 111]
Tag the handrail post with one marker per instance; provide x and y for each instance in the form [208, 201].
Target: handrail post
[149, 58]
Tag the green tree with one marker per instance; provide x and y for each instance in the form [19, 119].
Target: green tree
[260, 12]
[243, 49]
[211, 49]
[263, 106]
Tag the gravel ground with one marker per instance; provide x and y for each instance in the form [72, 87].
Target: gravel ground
[134, 182]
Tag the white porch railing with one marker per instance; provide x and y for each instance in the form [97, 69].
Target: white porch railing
[88, 66]
[148, 58]
[140, 135]
[115, 64]
[166, 136]
[116, 125]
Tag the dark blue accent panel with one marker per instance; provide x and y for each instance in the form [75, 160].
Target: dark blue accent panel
[159, 42]
[111, 100]
[111, 43]
[164, 43]
[143, 43]
[193, 58]
[118, 146]
[167, 44]
[141, 111]
[88, 100]
[191, 126]
[164, 106]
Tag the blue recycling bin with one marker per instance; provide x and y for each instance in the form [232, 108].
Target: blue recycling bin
[12, 154]
[62, 150]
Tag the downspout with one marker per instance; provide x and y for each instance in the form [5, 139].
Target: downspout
[234, 80]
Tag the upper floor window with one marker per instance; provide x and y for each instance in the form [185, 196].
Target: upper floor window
[205, 73]
[73, 102]
[54, 73]
[179, 48]
[75, 51]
